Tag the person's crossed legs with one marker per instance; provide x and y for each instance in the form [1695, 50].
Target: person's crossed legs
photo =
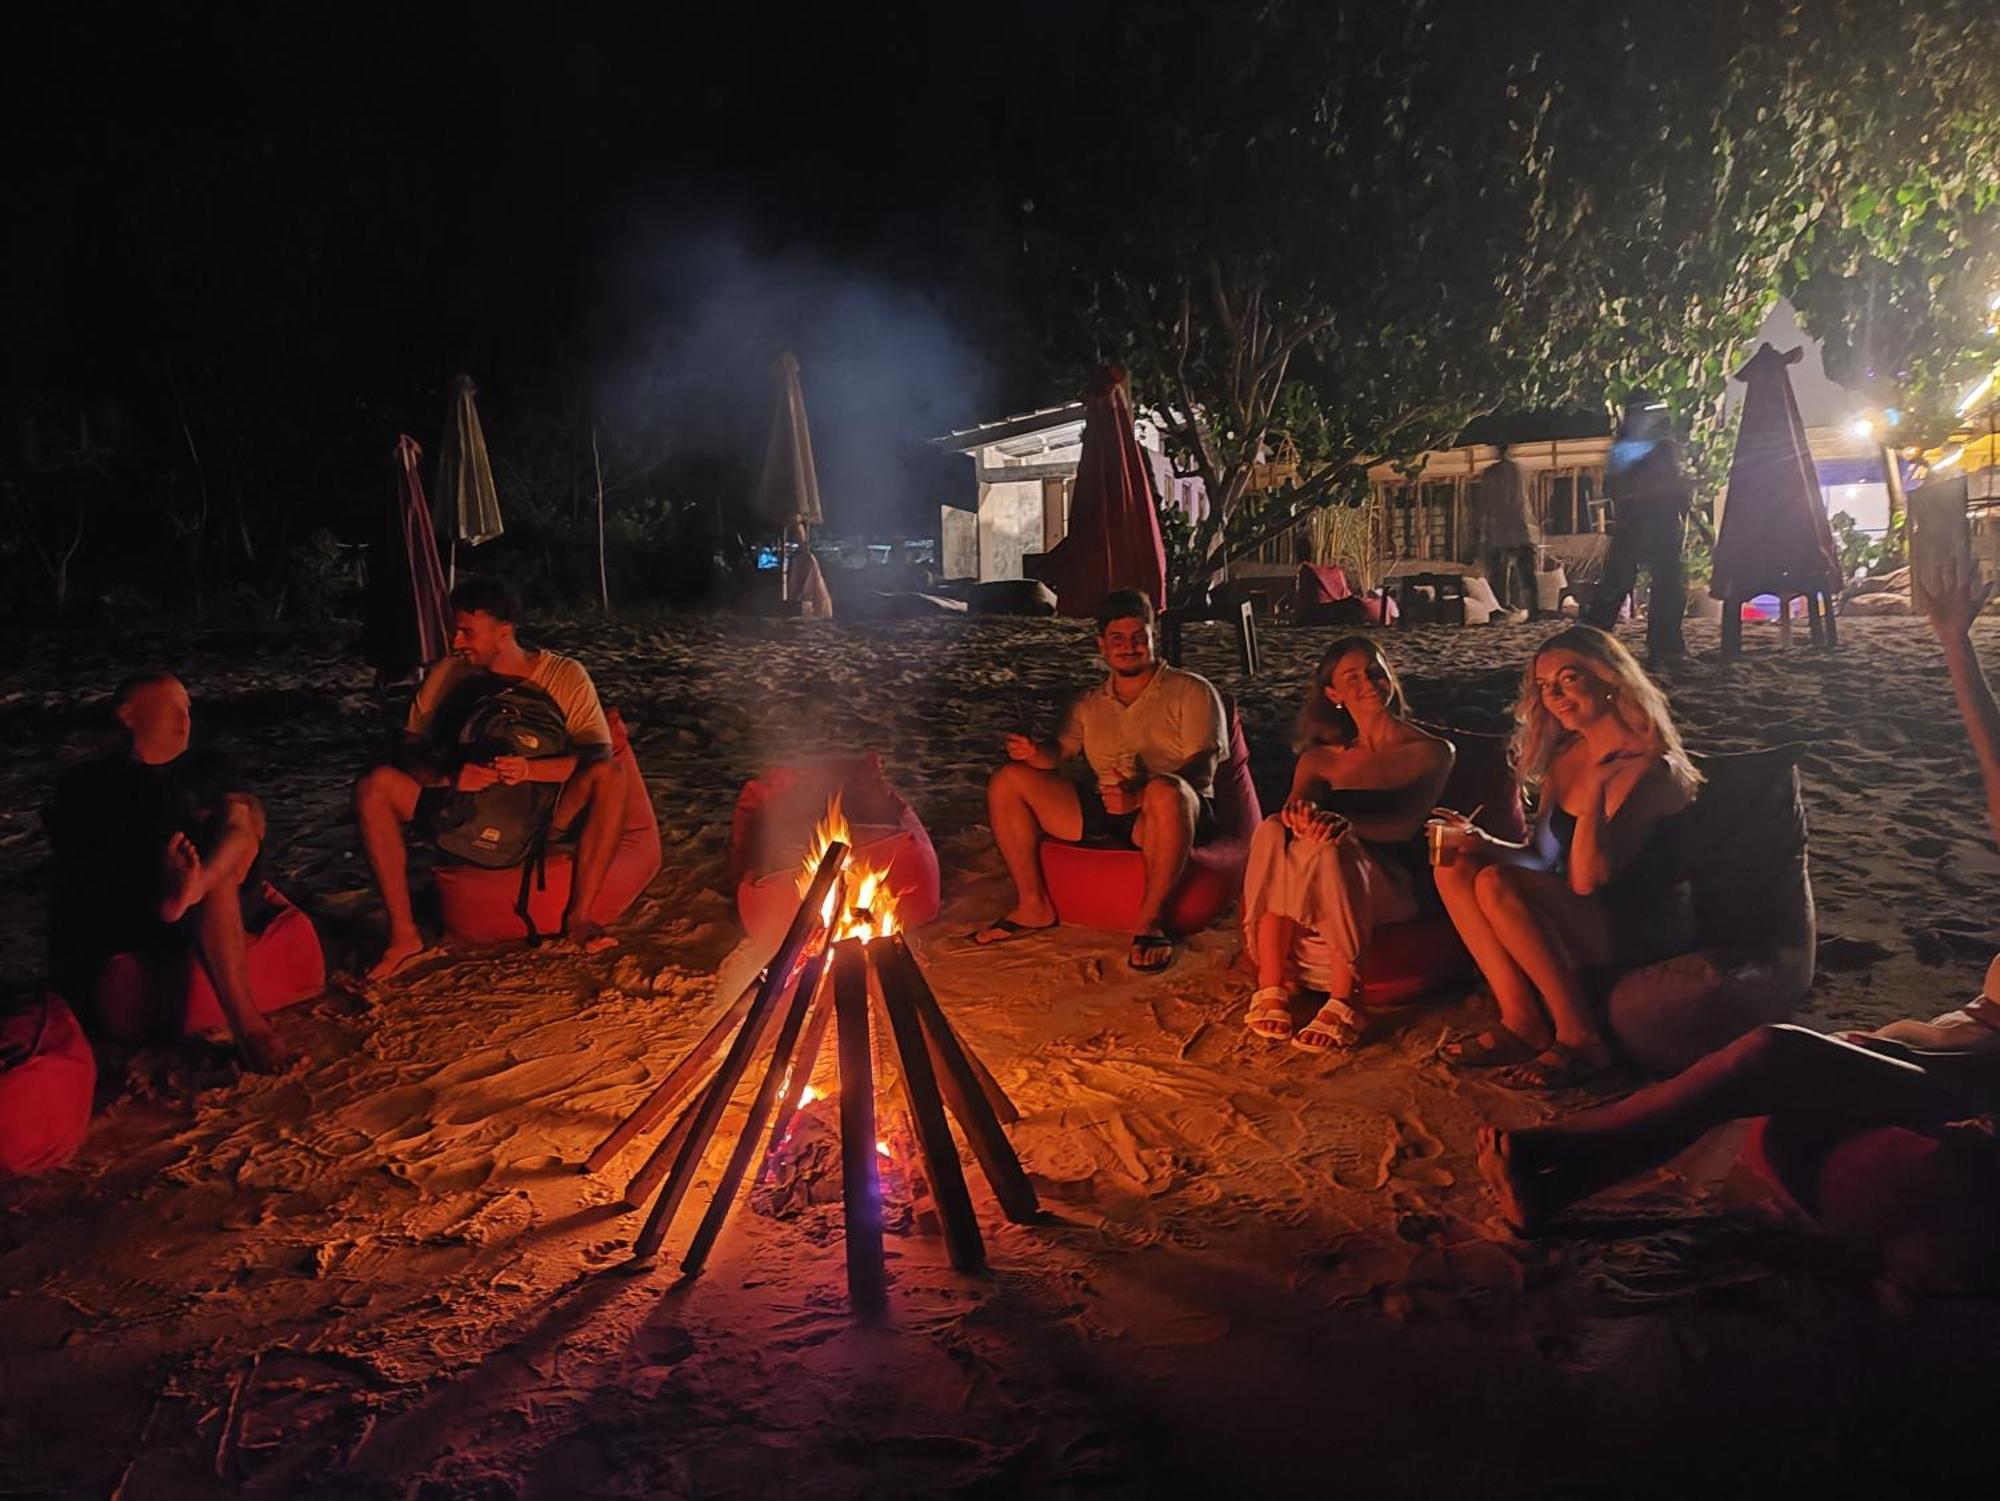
[210, 885]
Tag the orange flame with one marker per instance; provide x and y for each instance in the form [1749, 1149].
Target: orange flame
[860, 903]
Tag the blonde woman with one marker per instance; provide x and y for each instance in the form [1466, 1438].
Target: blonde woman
[1344, 854]
[1596, 884]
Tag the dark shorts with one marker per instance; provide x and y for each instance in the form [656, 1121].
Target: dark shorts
[1102, 826]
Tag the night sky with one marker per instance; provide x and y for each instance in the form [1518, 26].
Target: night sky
[302, 221]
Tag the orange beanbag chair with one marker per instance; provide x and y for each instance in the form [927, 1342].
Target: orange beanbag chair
[479, 904]
[776, 815]
[1097, 886]
[47, 1076]
[1923, 1205]
[135, 1001]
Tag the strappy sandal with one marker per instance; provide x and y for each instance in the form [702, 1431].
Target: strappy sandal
[1151, 952]
[1492, 1048]
[1334, 1027]
[1557, 1066]
[1270, 1013]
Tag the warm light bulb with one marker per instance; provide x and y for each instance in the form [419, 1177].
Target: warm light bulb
[1861, 427]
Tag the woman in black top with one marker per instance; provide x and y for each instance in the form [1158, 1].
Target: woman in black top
[1596, 883]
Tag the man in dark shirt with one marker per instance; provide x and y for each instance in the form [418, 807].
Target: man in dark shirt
[153, 844]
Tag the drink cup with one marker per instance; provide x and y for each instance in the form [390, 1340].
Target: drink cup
[1444, 840]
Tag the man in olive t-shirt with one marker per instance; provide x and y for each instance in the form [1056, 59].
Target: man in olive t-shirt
[387, 798]
[1152, 736]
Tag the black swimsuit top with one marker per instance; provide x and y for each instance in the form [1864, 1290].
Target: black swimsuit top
[1652, 871]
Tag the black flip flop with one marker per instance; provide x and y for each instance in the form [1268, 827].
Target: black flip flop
[1151, 943]
[1008, 929]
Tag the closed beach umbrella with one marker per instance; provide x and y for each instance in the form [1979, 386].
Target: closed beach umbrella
[407, 622]
[788, 488]
[1774, 537]
[468, 507]
[1114, 538]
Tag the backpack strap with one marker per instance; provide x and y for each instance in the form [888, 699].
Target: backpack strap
[534, 877]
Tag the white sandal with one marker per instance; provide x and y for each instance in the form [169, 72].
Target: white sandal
[1270, 1013]
[1334, 1027]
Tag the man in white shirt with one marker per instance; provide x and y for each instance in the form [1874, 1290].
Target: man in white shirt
[1151, 736]
[388, 799]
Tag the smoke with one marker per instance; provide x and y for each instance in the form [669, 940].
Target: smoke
[883, 370]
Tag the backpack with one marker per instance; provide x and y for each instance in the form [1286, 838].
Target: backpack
[501, 826]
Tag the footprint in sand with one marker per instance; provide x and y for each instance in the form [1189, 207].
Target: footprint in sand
[393, 1113]
[1419, 1154]
[1355, 1147]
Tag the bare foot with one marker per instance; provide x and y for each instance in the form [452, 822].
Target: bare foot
[1527, 1196]
[403, 949]
[588, 936]
[265, 1053]
[182, 878]
[1022, 920]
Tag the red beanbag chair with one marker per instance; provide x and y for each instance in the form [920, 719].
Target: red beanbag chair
[47, 1075]
[1097, 887]
[776, 814]
[1407, 960]
[479, 903]
[1922, 1205]
[287, 965]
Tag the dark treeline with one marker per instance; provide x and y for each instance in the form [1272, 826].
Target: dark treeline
[249, 245]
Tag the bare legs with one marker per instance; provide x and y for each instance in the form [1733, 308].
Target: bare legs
[385, 800]
[596, 793]
[1781, 1071]
[1529, 934]
[1164, 833]
[211, 887]
[1023, 804]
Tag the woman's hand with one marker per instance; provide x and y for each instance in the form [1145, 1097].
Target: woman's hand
[1306, 820]
[1461, 830]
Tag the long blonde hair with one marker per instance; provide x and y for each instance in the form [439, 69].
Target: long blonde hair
[1636, 699]
[1320, 723]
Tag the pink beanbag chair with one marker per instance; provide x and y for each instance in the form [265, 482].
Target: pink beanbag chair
[47, 1074]
[1922, 1205]
[479, 903]
[1096, 887]
[776, 814]
[287, 966]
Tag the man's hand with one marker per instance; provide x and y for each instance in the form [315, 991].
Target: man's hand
[473, 777]
[1118, 798]
[510, 769]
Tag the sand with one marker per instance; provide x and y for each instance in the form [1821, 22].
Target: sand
[382, 1275]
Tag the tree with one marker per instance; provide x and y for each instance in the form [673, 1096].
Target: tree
[1322, 249]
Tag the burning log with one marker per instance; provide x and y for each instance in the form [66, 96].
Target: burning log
[920, 1087]
[776, 1076]
[709, 1113]
[959, 1075]
[668, 1092]
[802, 1071]
[860, 1178]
